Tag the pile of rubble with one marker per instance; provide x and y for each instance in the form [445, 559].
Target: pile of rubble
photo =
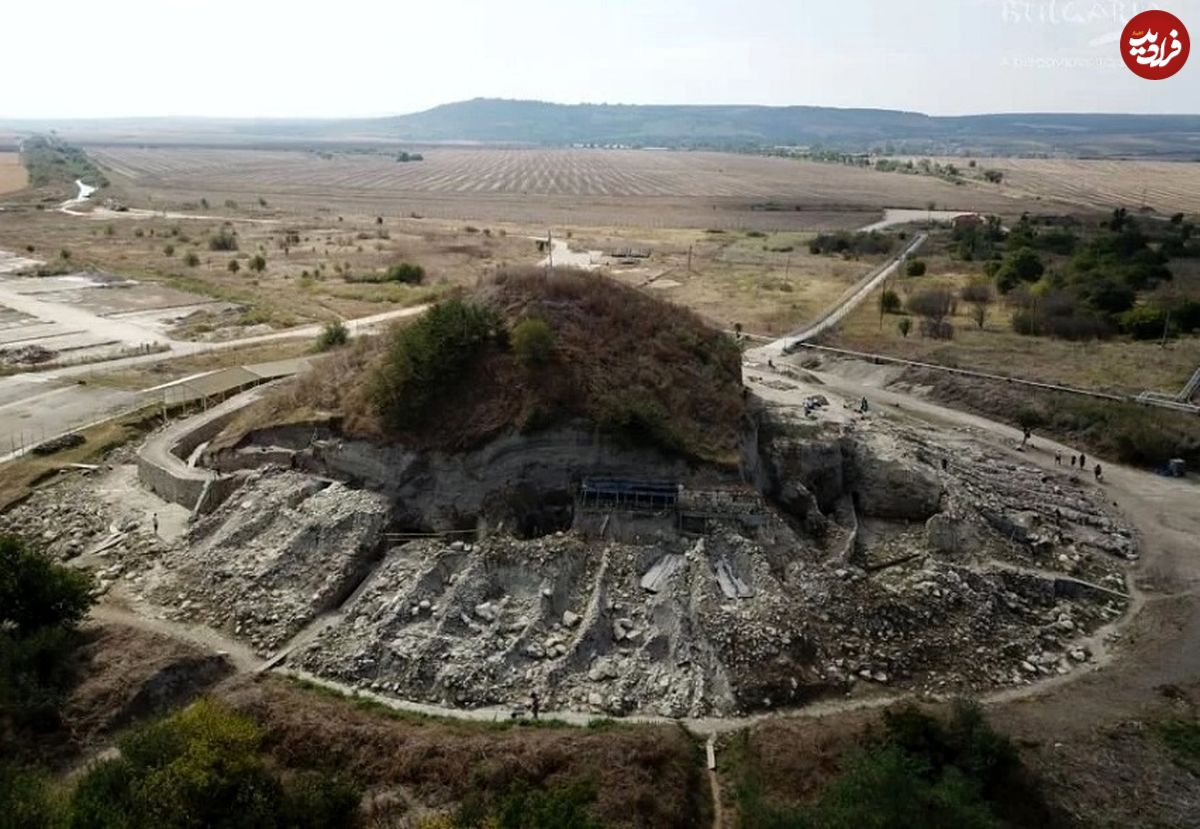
[284, 549]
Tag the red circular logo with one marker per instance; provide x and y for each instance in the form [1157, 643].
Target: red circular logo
[1155, 45]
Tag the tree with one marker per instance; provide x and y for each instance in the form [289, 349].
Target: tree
[889, 302]
[1020, 265]
[168, 250]
[36, 593]
[258, 263]
[915, 267]
[905, 325]
[993, 176]
[233, 266]
[933, 305]
[533, 341]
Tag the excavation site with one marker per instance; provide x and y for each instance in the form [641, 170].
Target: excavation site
[558, 486]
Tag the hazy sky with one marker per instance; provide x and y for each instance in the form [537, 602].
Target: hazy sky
[75, 58]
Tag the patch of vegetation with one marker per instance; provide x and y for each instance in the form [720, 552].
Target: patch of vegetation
[1182, 736]
[914, 267]
[404, 273]
[204, 766]
[333, 335]
[427, 356]
[41, 605]
[224, 239]
[526, 807]
[913, 770]
[50, 160]
[533, 341]
[852, 244]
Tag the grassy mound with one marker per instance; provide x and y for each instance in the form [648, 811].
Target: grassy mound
[527, 351]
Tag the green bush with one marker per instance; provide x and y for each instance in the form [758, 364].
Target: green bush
[191, 260]
[1146, 322]
[223, 240]
[333, 335]
[41, 603]
[26, 799]
[889, 302]
[203, 767]
[35, 593]
[426, 358]
[915, 267]
[407, 273]
[524, 807]
[532, 341]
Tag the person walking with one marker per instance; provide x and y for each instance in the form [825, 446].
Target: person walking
[535, 704]
[1082, 461]
[1058, 456]
[1099, 473]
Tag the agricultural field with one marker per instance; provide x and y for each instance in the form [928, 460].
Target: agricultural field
[1164, 186]
[580, 187]
[12, 173]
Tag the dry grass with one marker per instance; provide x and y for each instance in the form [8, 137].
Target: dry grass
[303, 283]
[1115, 365]
[648, 776]
[22, 475]
[733, 277]
[621, 359]
[13, 176]
[152, 374]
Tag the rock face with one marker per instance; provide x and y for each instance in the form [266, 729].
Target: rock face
[887, 484]
[500, 482]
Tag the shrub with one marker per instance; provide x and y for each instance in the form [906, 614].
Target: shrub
[532, 341]
[168, 250]
[1020, 265]
[1146, 322]
[334, 335]
[41, 603]
[428, 356]
[223, 240]
[914, 267]
[524, 807]
[26, 799]
[233, 266]
[203, 767]
[258, 263]
[407, 273]
[191, 260]
[36, 593]
[905, 325]
[889, 302]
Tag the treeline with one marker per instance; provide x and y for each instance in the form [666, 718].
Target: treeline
[50, 160]
[852, 244]
[1067, 283]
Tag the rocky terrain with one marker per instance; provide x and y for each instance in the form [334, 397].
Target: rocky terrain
[894, 558]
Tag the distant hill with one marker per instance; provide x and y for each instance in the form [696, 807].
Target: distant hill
[493, 120]
[537, 122]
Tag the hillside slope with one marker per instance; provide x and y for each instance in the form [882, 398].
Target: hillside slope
[641, 369]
